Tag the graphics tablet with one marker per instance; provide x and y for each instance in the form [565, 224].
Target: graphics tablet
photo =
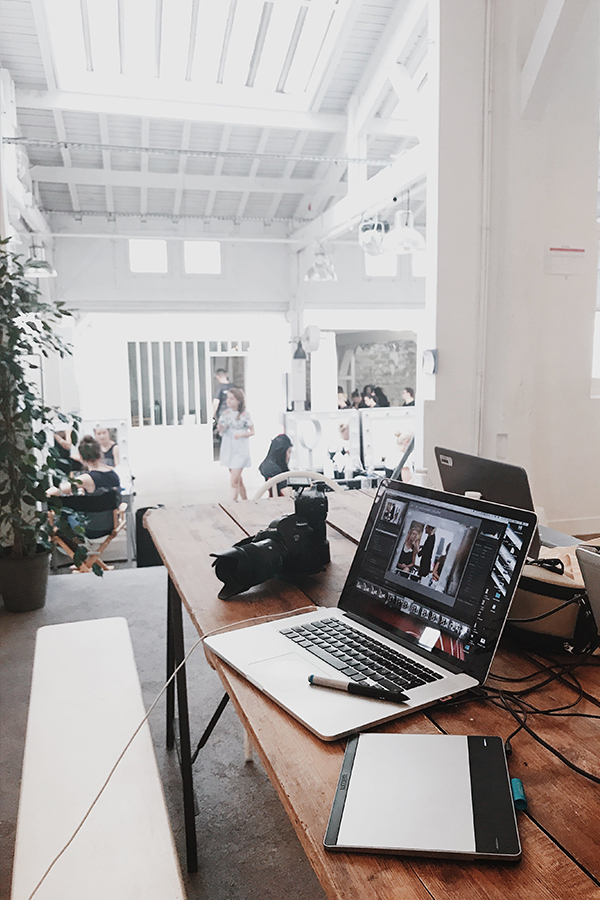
[425, 795]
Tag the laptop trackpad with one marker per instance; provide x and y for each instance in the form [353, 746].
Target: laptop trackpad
[286, 673]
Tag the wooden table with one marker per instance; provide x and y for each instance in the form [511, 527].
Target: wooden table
[559, 831]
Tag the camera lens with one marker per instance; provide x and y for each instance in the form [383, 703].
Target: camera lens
[239, 568]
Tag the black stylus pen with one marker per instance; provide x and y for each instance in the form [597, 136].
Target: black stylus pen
[363, 690]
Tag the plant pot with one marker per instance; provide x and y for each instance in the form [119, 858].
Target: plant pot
[23, 582]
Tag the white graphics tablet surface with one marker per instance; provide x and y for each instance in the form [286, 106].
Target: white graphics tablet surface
[425, 795]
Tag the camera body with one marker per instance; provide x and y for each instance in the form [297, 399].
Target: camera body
[288, 547]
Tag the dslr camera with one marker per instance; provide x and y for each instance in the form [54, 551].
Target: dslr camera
[290, 546]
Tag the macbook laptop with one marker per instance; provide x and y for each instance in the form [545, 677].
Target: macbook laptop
[496, 481]
[421, 612]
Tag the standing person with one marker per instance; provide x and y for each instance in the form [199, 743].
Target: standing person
[408, 397]
[110, 450]
[235, 427]
[426, 552]
[220, 394]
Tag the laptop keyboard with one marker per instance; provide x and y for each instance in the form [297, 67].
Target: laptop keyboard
[359, 657]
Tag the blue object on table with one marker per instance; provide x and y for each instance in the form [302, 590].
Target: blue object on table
[518, 792]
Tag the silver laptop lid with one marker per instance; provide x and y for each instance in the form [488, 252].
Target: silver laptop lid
[436, 573]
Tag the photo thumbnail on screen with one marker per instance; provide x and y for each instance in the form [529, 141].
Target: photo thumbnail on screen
[433, 552]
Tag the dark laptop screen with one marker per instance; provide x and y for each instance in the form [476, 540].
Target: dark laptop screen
[438, 572]
[496, 481]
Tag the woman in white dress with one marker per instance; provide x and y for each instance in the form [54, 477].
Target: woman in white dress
[235, 427]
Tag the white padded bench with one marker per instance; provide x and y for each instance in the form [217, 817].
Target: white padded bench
[85, 704]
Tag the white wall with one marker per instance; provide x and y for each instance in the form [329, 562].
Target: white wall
[514, 341]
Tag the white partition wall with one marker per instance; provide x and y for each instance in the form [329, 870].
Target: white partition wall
[513, 179]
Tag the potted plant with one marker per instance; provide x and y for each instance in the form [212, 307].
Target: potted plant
[28, 465]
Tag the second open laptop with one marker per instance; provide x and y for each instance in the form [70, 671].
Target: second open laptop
[422, 611]
[496, 481]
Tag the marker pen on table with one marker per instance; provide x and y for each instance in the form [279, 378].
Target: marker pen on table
[363, 690]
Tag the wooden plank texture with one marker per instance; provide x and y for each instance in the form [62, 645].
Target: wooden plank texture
[559, 830]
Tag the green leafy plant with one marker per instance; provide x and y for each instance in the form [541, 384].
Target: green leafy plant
[28, 466]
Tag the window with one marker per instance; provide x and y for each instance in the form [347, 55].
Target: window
[167, 383]
[202, 257]
[383, 266]
[148, 256]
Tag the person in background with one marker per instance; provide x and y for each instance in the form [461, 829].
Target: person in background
[98, 477]
[355, 399]
[235, 427]
[220, 395]
[368, 397]
[408, 397]
[343, 402]
[110, 450]
[277, 460]
[380, 397]
[425, 552]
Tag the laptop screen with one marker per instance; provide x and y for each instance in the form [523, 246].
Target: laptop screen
[496, 481]
[437, 572]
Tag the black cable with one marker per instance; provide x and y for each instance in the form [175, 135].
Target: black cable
[540, 740]
[550, 612]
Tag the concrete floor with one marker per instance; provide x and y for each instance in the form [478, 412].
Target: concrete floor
[247, 847]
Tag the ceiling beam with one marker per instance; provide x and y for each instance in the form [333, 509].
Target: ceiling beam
[558, 23]
[287, 173]
[106, 162]
[366, 199]
[145, 136]
[394, 39]
[185, 143]
[171, 181]
[327, 182]
[181, 110]
[224, 142]
[200, 112]
[66, 156]
[335, 56]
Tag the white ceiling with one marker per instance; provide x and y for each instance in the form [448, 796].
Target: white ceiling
[273, 118]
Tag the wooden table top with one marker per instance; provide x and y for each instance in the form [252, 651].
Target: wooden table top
[559, 831]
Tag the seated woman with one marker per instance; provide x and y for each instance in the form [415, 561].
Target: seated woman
[277, 459]
[110, 450]
[97, 477]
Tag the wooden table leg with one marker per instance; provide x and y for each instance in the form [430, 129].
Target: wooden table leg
[178, 653]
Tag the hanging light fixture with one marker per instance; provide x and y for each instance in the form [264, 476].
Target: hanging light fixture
[322, 268]
[37, 266]
[371, 233]
[404, 237]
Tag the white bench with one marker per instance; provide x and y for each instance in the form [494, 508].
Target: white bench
[85, 704]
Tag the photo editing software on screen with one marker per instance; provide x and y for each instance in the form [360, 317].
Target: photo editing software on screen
[439, 574]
